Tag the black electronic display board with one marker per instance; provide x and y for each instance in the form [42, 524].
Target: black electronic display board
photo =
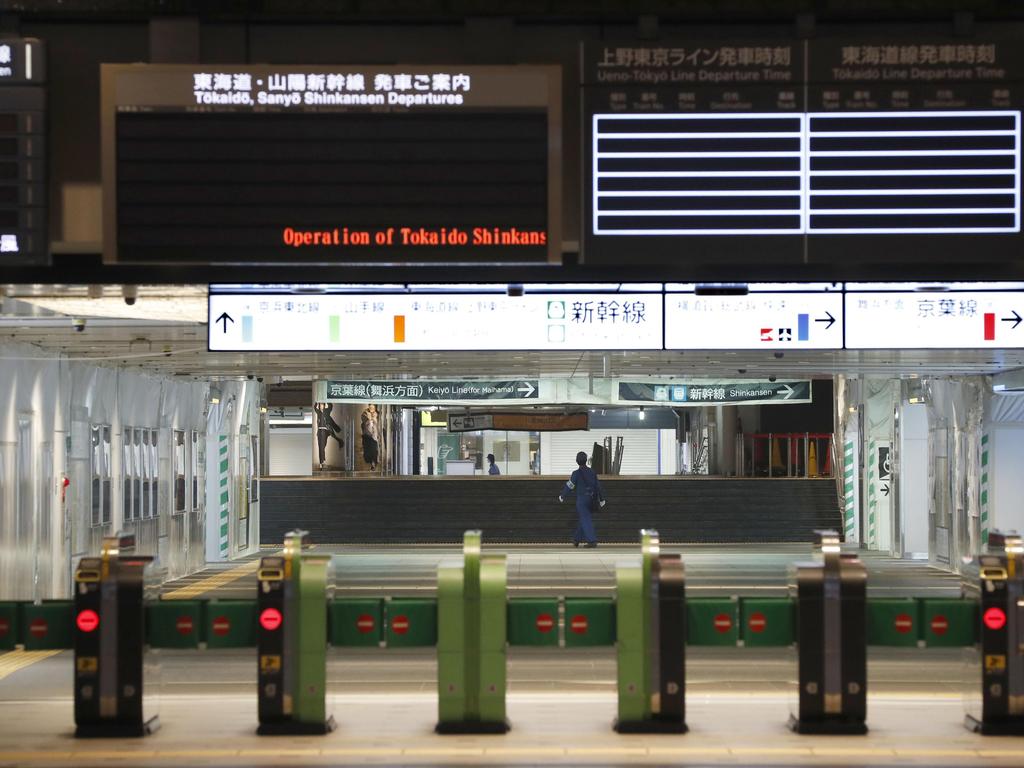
[24, 238]
[814, 151]
[342, 165]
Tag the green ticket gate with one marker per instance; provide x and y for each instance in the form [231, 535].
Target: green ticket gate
[651, 649]
[109, 642]
[831, 630]
[471, 617]
[291, 641]
[1000, 585]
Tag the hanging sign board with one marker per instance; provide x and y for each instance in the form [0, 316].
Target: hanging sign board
[432, 392]
[944, 320]
[767, 321]
[692, 394]
[519, 422]
[434, 321]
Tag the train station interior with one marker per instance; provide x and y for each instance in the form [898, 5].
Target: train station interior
[511, 383]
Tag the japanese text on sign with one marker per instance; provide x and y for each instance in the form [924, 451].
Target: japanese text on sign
[292, 89]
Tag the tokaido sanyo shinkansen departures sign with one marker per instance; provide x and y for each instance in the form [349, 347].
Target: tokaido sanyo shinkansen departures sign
[331, 165]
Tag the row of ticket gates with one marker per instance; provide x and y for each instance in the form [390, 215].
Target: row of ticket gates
[830, 594]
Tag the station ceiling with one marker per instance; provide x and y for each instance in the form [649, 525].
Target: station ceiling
[165, 332]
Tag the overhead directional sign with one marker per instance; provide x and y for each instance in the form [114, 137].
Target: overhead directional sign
[523, 421]
[946, 320]
[766, 320]
[434, 391]
[434, 321]
[683, 394]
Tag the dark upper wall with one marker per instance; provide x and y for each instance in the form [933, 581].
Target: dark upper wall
[816, 416]
[77, 48]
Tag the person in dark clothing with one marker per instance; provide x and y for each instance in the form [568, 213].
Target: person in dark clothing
[492, 468]
[326, 428]
[589, 496]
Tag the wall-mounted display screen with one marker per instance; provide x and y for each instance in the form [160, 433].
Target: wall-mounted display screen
[24, 235]
[340, 165]
[803, 151]
[846, 173]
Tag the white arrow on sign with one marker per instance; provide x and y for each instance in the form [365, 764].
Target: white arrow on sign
[789, 391]
[529, 389]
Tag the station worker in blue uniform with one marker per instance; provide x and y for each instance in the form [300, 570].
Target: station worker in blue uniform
[589, 497]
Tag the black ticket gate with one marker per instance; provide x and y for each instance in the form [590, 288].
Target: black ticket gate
[1000, 587]
[832, 641]
[110, 637]
[651, 641]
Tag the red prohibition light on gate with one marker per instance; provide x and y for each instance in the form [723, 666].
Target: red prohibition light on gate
[994, 618]
[87, 620]
[270, 619]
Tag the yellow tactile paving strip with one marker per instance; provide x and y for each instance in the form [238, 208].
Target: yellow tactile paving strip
[13, 661]
[430, 754]
[199, 588]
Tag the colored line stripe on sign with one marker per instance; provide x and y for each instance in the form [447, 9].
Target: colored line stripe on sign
[803, 332]
[990, 326]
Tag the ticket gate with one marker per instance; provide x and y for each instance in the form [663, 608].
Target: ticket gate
[1000, 589]
[651, 641]
[471, 619]
[291, 641]
[110, 640]
[832, 641]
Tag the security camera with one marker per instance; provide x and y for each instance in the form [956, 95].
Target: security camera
[130, 293]
[514, 289]
[249, 376]
[259, 379]
[741, 371]
[78, 323]
[779, 355]
[771, 379]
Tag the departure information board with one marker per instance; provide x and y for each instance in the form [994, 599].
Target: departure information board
[340, 165]
[803, 151]
[24, 238]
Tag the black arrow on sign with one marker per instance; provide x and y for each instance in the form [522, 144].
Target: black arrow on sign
[885, 490]
[830, 320]
[1015, 319]
[225, 318]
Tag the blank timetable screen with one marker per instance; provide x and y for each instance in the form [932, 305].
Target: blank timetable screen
[858, 173]
[332, 186]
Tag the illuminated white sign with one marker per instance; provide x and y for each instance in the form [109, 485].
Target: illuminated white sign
[921, 320]
[435, 321]
[293, 89]
[9, 244]
[806, 173]
[768, 321]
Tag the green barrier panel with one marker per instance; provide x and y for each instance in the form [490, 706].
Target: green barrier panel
[412, 622]
[893, 621]
[174, 623]
[533, 621]
[356, 622]
[46, 626]
[589, 621]
[948, 623]
[8, 626]
[712, 620]
[767, 621]
[230, 624]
